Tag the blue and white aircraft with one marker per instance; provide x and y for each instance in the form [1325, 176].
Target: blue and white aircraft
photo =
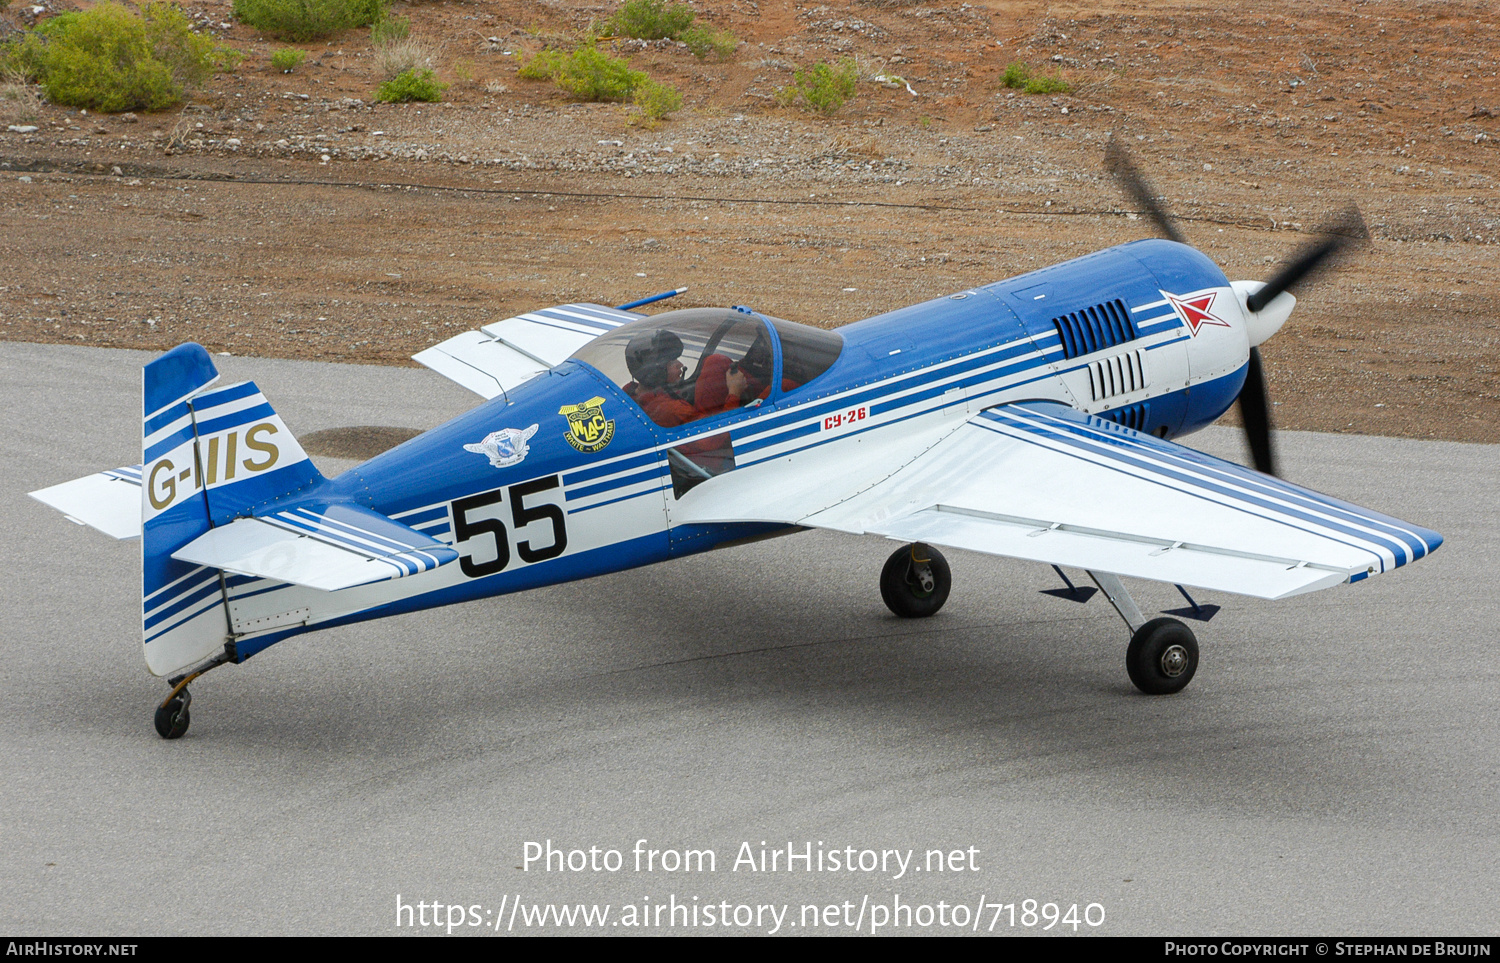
[1030, 418]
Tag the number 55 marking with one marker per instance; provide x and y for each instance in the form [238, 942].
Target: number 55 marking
[465, 528]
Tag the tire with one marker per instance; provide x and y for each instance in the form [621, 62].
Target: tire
[901, 588]
[172, 719]
[1162, 658]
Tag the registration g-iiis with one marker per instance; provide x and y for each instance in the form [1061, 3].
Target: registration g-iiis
[1032, 417]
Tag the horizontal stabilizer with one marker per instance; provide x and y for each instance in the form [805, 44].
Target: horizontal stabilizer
[322, 546]
[109, 501]
[502, 355]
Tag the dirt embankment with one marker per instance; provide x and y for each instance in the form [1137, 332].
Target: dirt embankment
[287, 215]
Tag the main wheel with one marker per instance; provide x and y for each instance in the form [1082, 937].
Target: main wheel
[915, 581]
[1162, 657]
[172, 719]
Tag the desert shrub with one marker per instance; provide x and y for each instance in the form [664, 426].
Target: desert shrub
[702, 41]
[1018, 76]
[110, 58]
[586, 73]
[388, 30]
[288, 59]
[399, 56]
[655, 101]
[409, 86]
[821, 88]
[649, 20]
[544, 66]
[302, 20]
[396, 50]
[192, 57]
[19, 101]
[655, 20]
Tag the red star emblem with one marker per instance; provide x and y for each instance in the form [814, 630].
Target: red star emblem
[1196, 310]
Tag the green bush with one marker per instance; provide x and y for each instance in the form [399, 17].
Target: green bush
[389, 30]
[586, 73]
[288, 59]
[110, 58]
[649, 20]
[655, 101]
[654, 20]
[702, 41]
[544, 66]
[821, 88]
[303, 20]
[1018, 76]
[409, 86]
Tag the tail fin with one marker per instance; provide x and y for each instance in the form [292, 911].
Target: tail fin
[210, 454]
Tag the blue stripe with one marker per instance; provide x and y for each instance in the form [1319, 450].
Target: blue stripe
[401, 544]
[425, 515]
[655, 471]
[235, 420]
[998, 374]
[223, 396]
[1196, 486]
[158, 596]
[153, 425]
[965, 364]
[810, 429]
[182, 621]
[589, 322]
[286, 520]
[597, 471]
[181, 604]
[169, 442]
[622, 498]
[604, 311]
[271, 588]
[1410, 535]
[1044, 376]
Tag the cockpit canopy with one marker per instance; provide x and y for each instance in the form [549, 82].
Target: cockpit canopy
[679, 365]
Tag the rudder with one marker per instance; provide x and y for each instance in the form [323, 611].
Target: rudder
[209, 455]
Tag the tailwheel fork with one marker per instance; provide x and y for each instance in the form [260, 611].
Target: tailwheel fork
[172, 716]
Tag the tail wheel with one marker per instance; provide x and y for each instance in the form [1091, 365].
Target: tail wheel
[1162, 657]
[172, 718]
[915, 581]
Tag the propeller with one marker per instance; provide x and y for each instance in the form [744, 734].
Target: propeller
[1314, 257]
[1117, 161]
[1335, 237]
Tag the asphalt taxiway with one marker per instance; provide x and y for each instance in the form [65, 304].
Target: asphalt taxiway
[1333, 769]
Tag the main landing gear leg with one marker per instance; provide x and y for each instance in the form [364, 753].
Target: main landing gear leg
[1163, 653]
[172, 716]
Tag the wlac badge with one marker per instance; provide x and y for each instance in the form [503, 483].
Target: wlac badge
[588, 430]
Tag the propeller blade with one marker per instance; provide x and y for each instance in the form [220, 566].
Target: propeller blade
[1117, 161]
[1345, 230]
[1255, 412]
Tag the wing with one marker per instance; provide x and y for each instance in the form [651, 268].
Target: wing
[109, 501]
[502, 355]
[326, 547]
[1041, 481]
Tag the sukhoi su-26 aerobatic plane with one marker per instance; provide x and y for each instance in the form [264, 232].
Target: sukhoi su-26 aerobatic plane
[1030, 418]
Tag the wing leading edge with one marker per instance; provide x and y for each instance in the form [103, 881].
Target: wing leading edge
[1044, 482]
